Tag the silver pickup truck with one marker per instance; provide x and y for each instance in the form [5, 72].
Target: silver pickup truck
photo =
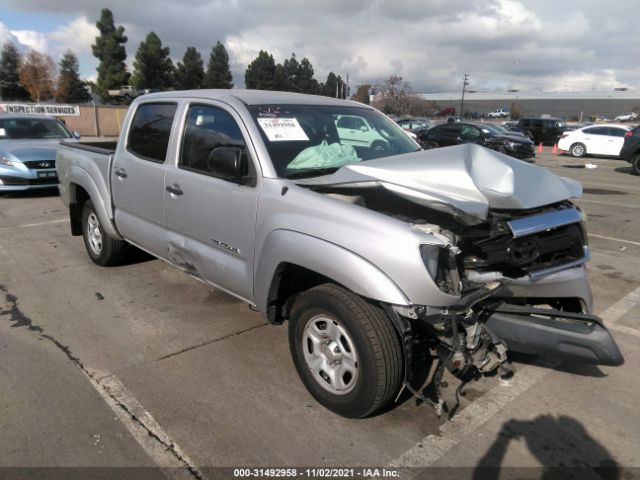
[379, 258]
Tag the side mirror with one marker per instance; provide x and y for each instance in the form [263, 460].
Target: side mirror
[363, 128]
[229, 163]
[76, 135]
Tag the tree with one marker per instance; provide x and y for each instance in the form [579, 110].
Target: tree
[261, 72]
[362, 94]
[152, 67]
[334, 87]
[70, 88]
[280, 79]
[190, 73]
[109, 49]
[396, 97]
[10, 86]
[37, 74]
[218, 73]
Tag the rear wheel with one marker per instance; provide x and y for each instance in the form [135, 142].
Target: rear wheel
[346, 351]
[102, 249]
[578, 150]
[379, 145]
[635, 164]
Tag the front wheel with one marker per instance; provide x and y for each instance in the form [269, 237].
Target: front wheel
[379, 146]
[578, 150]
[635, 164]
[102, 249]
[346, 351]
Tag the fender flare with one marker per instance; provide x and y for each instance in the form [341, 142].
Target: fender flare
[80, 177]
[330, 260]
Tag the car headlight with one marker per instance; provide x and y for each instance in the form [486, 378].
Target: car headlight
[512, 144]
[440, 262]
[6, 162]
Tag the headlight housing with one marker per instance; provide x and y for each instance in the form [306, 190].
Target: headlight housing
[441, 264]
[5, 162]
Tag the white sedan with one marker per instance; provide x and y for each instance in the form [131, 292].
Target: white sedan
[594, 140]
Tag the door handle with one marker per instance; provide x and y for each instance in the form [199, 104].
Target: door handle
[120, 173]
[174, 189]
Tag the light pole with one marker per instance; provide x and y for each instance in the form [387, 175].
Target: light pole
[464, 86]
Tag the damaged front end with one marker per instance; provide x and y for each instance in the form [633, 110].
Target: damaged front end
[511, 249]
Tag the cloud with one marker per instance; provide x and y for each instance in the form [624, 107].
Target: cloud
[32, 39]
[539, 45]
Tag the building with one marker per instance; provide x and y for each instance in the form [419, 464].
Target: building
[570, 106]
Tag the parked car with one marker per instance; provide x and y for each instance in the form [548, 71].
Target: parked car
[631, 149]
[627, 117]
[543, 130]
[125, 93]
[415, 124]
[446, 112]
[512, 126]
[355, 130]
[499, 113]
[485, 134]
[367, 254]
[604, 140]
[28, 151]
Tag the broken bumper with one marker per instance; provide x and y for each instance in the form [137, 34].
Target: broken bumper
[575, 337]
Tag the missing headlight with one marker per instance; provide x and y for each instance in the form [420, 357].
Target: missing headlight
[441, 264]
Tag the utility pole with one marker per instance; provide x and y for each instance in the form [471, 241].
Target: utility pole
[465, 83]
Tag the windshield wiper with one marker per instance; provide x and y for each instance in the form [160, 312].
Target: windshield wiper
[316, 172]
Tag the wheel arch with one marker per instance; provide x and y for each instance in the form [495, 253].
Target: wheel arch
[82, 188]
[291, 263]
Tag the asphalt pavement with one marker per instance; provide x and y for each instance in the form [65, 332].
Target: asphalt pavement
[141, 370]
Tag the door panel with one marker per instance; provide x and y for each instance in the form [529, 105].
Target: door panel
[137, 177]
[212, 221]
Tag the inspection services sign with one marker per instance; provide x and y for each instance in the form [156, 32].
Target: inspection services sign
[55, 110]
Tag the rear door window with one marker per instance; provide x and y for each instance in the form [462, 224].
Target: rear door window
[150, 131]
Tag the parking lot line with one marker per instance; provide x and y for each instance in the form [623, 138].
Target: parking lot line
[431, 448]
[606, 204]
[630, 242]
[39, 224]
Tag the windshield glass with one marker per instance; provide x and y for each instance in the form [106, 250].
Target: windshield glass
[309, 140]
[32, 128]
[493, 128]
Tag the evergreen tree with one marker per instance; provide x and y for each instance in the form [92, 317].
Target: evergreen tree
[70, 88]
[280, 79]
[260, 73]
[153, 67]
[218, 73]
[37, 72]
[331, 86]
[305, 80]
[109, 49]
[190, 73]
[10, 86]
[300, 75]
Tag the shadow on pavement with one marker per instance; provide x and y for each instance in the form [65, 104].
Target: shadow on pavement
[562, 446]
[575, 368]
[628, 170]
[39, 193]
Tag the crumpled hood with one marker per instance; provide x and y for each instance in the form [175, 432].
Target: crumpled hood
[26, 150]
[464, 180]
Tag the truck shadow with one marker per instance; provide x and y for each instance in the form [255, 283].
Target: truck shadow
[627, 170]
[575, 368]
[561, 445]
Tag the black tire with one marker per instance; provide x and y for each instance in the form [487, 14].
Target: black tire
[432, 144]
[378, 354]
[635, 164]
[578, 150]
[110, 250]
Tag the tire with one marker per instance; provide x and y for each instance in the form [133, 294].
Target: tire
[102, 249]
[432, 144]
[578, 150]
[359, 347]
[379, 145]
[635, 164]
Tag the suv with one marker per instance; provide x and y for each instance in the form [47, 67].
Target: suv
[631, 149]
[543, 130]
[499, 113]
[356, 131]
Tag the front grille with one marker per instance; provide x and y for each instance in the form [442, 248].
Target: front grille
[40, 164]
[519, 256]
[22, 182]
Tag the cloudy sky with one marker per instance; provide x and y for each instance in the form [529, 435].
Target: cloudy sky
[577, 45]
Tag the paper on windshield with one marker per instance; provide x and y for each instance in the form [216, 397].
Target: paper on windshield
[282, 129]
